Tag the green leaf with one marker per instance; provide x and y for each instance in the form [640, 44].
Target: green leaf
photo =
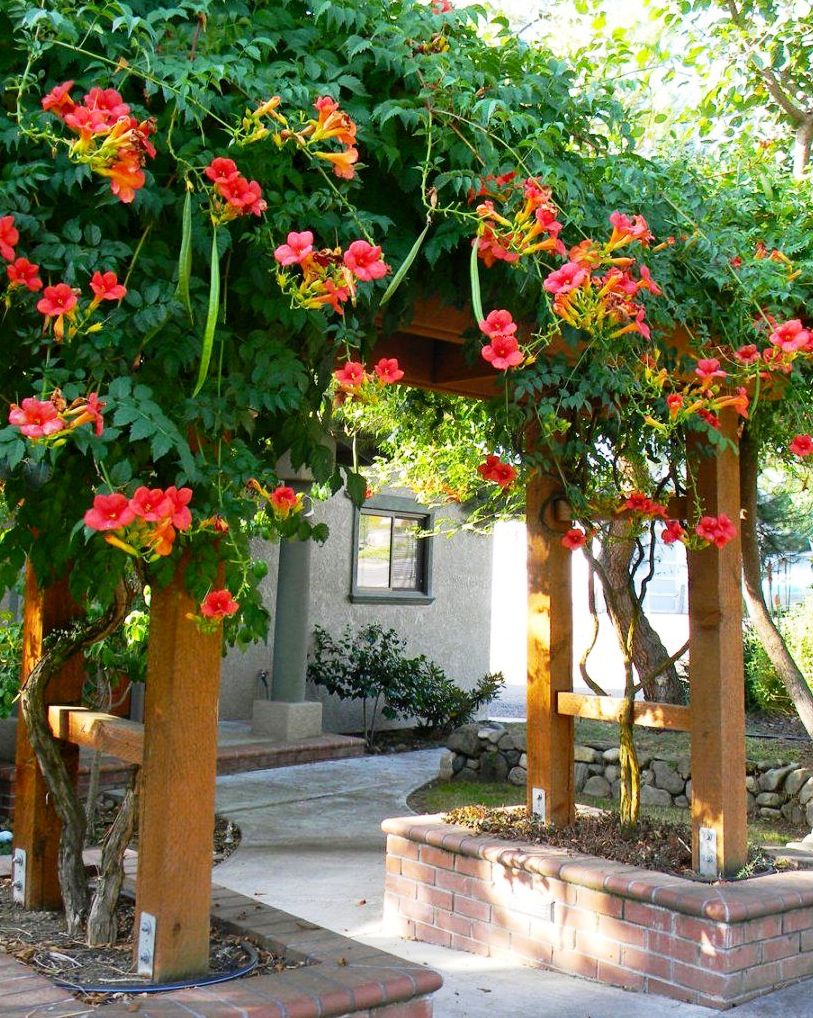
[397, 279]
[211, 317]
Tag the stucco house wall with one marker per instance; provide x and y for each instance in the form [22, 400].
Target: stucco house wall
[454, 630]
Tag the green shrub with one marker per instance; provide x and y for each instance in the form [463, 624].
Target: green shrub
[11, 647]
[763, 687]
[370, 665]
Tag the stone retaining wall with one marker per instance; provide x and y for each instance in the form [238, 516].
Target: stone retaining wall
[487, 751]
[712, 944]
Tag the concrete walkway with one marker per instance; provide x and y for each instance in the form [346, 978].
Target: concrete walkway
[312, 846]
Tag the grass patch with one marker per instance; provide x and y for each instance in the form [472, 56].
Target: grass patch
[443, 796]
[656, 742]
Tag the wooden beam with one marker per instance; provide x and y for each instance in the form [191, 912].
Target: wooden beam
[550, 656]
[36, 826]
[112, 735]
[609, 708]
[716, 664]
[177, 798]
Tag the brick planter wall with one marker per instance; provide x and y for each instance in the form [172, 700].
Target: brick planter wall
[716, 945]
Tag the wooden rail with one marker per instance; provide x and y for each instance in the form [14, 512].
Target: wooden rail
[113, 736]
[609, 708]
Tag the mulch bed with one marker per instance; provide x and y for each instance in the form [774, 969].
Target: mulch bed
[654, 845]
[403, 740]
[40, 940]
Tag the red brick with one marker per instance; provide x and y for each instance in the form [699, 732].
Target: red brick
[392, 864]
[437, 857]
[735, 959]
[410, 1009]
[453, 923]
[401, 886]
[759, 929]
[460, 884]
[671, 990]
[617, 929]
[431, 935]
[798, 919]
[596, 946]
[470, 867]
[780, 947]
[515, 922]
[572, 961]
[704, 931]
[761, 976]
[468, 944]
[418, 871]
[553, 934]
[401, 846]
[598, 901]
[704, 980]
[574, 918]
[673, 947]
[417, 910]
[616, 976]
[472, 907]
[799, 967]
[551, 887]
[493, 936]
[806, 940]
[650, 916]
[435, 896]
[645, 963]
[533, 950]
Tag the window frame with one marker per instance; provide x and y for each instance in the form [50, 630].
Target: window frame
[393, 506]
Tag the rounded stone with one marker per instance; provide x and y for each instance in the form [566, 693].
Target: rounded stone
[580, 775]
[611, 755]
[518, 776]
[652, 796]
[585, 754]
[795, 780]
[806, 792]
[597, 786]
[667, 777]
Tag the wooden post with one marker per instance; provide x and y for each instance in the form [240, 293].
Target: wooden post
[177, 797]
[36, 825]
[550, 657]
[716, 673]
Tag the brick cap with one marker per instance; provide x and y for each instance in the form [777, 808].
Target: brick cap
[737, 902]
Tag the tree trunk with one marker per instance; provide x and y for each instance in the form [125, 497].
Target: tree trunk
[761, 618]
[648, 651]
[62, 646]
[801, 147]
[630, 772]
[101, 929]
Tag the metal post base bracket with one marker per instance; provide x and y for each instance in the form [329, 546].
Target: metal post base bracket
[18, 868]
[147, 924]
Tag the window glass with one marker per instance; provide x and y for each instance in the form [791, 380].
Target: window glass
[373, 567]
[405, 554]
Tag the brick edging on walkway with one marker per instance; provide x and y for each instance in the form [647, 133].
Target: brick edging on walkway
[729, 903]
[341, 977]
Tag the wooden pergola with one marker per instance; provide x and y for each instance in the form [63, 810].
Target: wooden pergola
[176, 747]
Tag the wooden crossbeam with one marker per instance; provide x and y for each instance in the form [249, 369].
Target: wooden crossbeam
[113, 736]
[609, 708]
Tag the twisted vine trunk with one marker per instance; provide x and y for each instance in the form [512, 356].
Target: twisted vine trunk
[61, 646]
[101, 927]
[761, 618]
[630, 776]
[649, 656]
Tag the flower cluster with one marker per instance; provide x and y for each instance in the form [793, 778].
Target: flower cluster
[283, 500]
[331, 124]
[254, 127]
[219, 604]
[533, 226]
[604, 303]
[354, 382]
[145, 524]
[20, 272]
[109, 139]
[503, 351]
[498, 472]
[233, 194]
[52, 420]
[801, 446]
[330, 276]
